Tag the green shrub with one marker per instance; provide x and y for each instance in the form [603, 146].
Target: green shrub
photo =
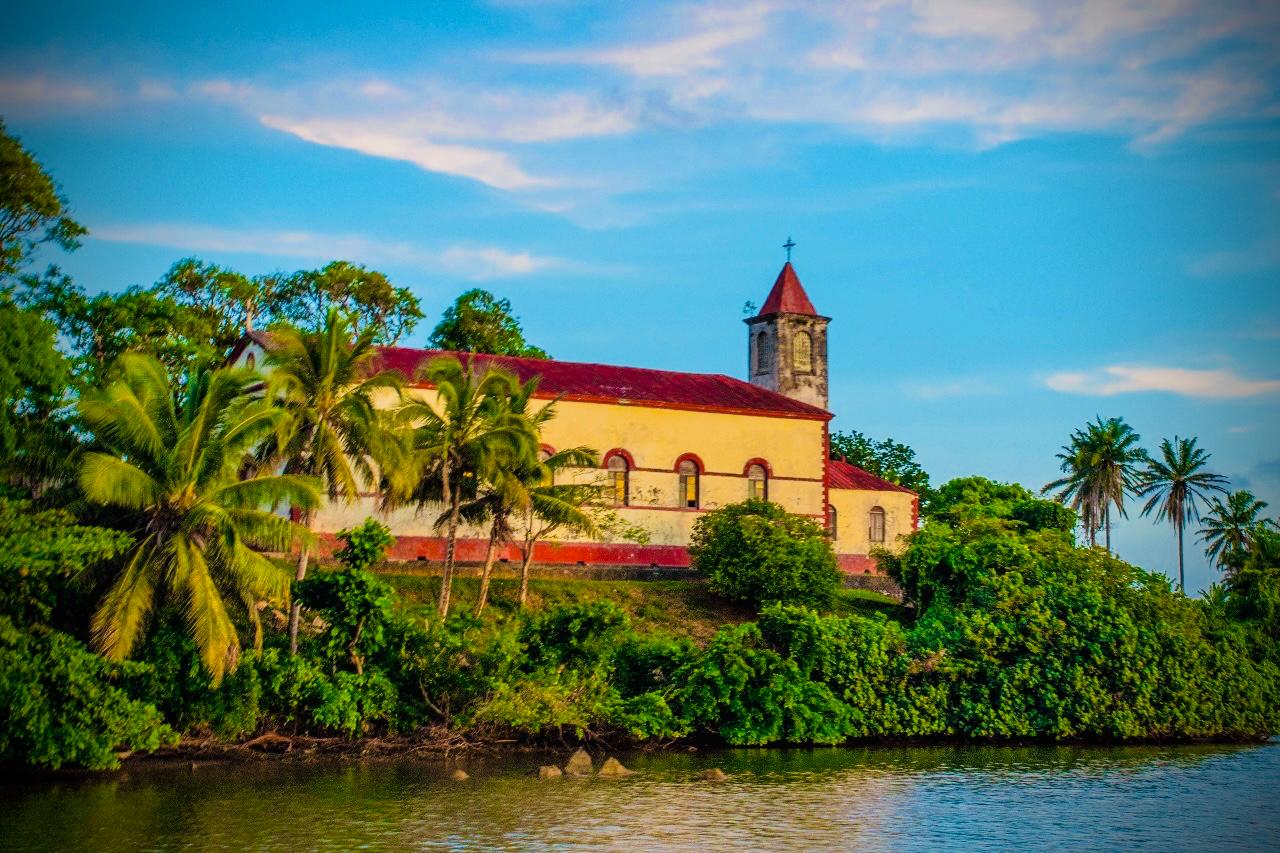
[60, 704]
[757, 552]
[298, 692]
[175, 681]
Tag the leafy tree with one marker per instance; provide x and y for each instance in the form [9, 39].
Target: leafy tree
[98, 329]
[1231, 527]
[33, 383]
[454, 438]
[327, 387]
[478, 321]
[60, 704]
[172, 459]
[354, 604]
[757, 552]
[1101, 466]
[887, 459]
[32, 208]
[366, 298]
[968, 498]
[42, 552]
[1174, 483]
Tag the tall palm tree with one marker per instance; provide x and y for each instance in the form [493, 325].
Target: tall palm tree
[453, 439]
[1174, 483]
[1230, 527]
[173, 458]
[327, 386]
[554, 506]
[1101, 467]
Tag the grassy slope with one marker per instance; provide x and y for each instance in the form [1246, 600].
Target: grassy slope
[682, 608]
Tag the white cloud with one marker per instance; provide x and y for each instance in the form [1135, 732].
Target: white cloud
[1134, 379]
[476, 263]
[715, 28]
[490, 167]
[1261, 256]
[43, 91]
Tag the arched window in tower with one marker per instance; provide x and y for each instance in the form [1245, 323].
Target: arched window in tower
[762, 353]
[619, 479]
[757, 482]
[688, 471]
[877, 524]
[251, 361]
[802, 353]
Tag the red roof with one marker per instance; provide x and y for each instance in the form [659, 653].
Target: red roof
[605, 383]
[787, 296]
[842, 475]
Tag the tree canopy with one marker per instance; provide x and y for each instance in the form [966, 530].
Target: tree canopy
[888, 459]
[478, 321]
[32, 208]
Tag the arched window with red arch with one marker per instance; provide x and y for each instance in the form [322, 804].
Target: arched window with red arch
[689, 471]
[618, 463]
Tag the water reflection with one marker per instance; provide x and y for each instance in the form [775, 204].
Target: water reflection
[865, 798]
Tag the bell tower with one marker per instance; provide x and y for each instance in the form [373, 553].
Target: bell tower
[787, 342]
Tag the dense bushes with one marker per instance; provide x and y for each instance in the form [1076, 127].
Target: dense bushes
[757, 552]
[1017, 633]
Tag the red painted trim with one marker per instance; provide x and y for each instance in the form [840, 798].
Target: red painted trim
[689, 457]
[915, 513]
[548, 449]
[688, 407]
[618, 451]
[763, 463]
[473, 551]
[857, 564]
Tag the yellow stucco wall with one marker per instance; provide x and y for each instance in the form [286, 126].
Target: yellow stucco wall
[853, 518]
[655, 438]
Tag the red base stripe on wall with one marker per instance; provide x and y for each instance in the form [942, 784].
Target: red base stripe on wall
[431, 548]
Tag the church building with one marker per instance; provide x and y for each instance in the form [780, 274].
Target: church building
[675, 445]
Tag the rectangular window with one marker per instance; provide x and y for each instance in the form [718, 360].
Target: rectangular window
[877, 525]
[620, 488]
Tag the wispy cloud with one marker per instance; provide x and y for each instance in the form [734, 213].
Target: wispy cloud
[1261, 256]
[475, 263]
[385, 139]
[1243, 428]
[1133, 379]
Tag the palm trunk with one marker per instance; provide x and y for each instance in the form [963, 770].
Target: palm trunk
[483, 598]
[1182, 586]
[526, 557]
[295, 611]
[450, 548]
[1106, 520]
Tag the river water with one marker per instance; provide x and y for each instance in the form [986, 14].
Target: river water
[876, 798]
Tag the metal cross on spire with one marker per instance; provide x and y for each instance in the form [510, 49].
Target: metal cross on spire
[789, 245]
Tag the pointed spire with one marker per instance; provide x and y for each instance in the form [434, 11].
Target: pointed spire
[787, 296]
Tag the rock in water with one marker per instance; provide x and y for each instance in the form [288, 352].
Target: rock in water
[549, 771]
[613, 767]
[715, 774]
[459, 776]
[579, 764]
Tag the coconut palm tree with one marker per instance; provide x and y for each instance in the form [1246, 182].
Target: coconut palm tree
[1174, 483]
[1101, 467]
[327, 386]
[554, 506]
[173, 458]
[455, 438]
[1230, 527]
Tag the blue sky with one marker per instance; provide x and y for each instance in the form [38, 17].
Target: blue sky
[1020, 214]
